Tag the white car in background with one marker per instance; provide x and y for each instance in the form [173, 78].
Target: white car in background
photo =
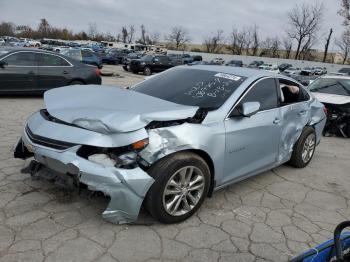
[218, 60]
[292, 71]
[34, 43]
[272, 68]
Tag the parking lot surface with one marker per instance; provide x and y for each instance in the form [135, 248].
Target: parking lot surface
[271, 217]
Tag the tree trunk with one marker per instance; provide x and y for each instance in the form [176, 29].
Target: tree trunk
[327, 44]
[298, 50]
[345, 58]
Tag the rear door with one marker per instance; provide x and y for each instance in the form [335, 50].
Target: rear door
[295, 114]
[162, 63]
[19, 72]
[53, 71]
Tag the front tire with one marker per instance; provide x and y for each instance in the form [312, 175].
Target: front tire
[304, 148]
[181, 184]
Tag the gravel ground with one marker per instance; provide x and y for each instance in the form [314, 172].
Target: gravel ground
[270, 217]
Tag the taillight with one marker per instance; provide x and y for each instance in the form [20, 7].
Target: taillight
[98, 72]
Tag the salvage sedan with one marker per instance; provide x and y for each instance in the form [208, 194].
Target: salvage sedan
[174, 139]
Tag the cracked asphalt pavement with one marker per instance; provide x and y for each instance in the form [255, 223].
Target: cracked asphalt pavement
[271, 217]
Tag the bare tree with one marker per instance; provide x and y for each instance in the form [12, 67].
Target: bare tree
[233, 42]
[124, 34]
[256, 40]
[44, 28]
[178, 37]
[306, 52]
[153, 38]
[131, 34]
[343, 43]
[345, 11]
[24, 31]
[288, 45]
[7, 28]
[143, 35]
[92, 30]
[237, 42]
[304, 23]
[266, 47]
[214, 43]
[117, 39]
[275, 47]
[327, 45]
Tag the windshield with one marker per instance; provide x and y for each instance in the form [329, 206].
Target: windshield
[193, 87]
[336, 86]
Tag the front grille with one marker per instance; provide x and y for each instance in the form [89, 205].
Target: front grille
[47, 142]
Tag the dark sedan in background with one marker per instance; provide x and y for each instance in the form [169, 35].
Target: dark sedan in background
[35, 71]
[151, 63]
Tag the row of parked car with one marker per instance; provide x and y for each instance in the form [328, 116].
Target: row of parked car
[284, 68]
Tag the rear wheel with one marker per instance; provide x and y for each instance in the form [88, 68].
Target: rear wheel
[181, 184]
[304, 148]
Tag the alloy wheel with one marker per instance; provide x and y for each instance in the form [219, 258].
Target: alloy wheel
[308, 148]
[183, 191]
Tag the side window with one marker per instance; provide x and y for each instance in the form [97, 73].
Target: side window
[163, 59]
[21, 59]
[264, 92]
[51, 60]
[291, 92]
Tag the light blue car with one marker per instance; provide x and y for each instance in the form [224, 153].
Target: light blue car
[172, 140]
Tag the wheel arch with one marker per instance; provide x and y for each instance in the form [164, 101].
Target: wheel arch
[207, 159]
[77, 79]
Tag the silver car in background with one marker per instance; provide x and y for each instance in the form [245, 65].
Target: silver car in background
[174, 139]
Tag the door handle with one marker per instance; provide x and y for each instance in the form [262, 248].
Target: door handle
[302, 112]
[276, 121]
[31, 73]
[65, 72]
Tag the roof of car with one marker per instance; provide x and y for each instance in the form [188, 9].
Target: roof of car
[15, 49]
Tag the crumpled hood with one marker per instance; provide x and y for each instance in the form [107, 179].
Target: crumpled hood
[331, 98]
[111, 109]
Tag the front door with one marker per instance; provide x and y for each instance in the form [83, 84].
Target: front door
[19, 72]
[252, 142]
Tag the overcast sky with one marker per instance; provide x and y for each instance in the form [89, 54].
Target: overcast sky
[200, 17]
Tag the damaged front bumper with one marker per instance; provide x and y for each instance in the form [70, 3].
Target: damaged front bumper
[125, 187]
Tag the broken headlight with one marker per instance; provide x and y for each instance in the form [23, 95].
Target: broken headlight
[120, 157]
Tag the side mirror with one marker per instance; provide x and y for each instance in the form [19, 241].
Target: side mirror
[249, 108]
[155, 60]
[3, 64]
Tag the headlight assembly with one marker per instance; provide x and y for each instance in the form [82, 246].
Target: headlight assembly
[121, 157]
